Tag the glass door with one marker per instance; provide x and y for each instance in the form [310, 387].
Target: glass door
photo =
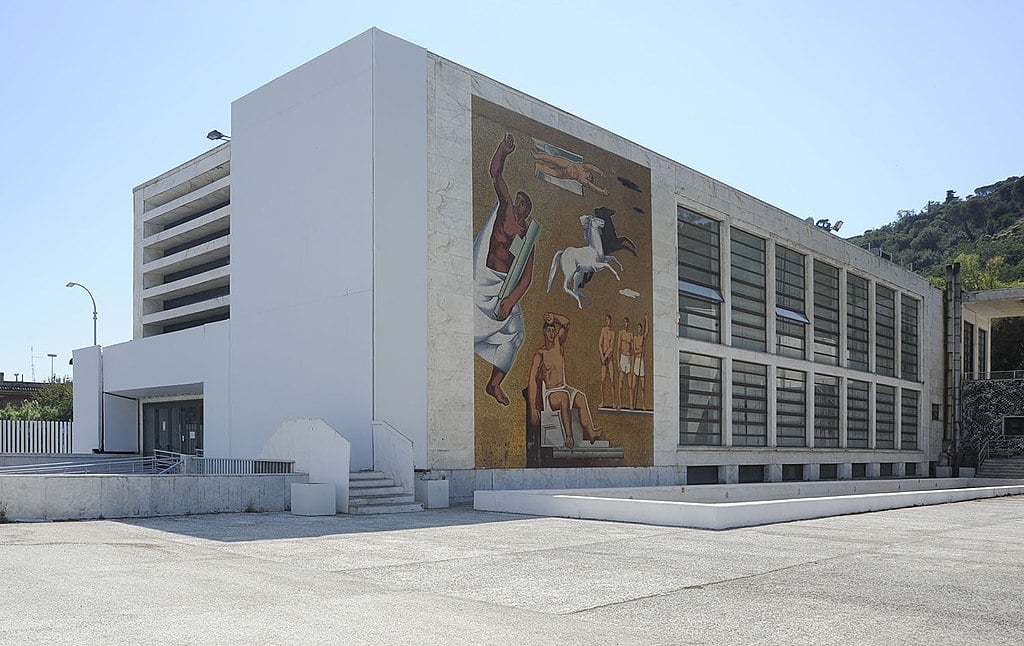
[175, 426]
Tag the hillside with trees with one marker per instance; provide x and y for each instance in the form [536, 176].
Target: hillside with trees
[984, 232]
[988, 224]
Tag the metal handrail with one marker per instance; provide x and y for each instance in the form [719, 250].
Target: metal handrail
[162, 463]
[112, 466]
[1002, 445]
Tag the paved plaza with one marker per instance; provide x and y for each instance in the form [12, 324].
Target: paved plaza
[949, 573]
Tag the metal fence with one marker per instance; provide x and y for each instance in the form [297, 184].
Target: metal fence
[995, 375]
[20, 436]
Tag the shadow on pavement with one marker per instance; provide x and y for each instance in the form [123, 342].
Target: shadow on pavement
[239, 527]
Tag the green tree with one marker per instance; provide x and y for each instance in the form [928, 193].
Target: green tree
[54, 403]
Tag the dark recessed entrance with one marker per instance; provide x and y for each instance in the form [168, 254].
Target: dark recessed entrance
[173, 426]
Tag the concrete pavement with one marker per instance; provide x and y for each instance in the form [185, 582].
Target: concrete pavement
[926, 575]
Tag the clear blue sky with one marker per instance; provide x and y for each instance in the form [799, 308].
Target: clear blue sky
[841, 110]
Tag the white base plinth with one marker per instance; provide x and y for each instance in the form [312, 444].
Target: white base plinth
[314, 499]
[432, 494]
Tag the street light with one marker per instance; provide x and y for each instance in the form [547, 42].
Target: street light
[52, 357]
[93, 308]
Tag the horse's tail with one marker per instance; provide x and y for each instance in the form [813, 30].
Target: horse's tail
[554, 268]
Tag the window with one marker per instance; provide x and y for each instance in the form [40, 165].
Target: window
[749, 404]
[968, 343]
[700, 400]
[826, 411]
[885, 417]
[699, 276]
[790, 319]
[858, 336]
[982, 354]
[909, 417]
[1013, 425]
[791, 407]
[885, 331]
[748, 291]
[908, 339]
[857, 414]
[826, 313]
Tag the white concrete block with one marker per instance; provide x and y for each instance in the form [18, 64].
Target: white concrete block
[313, 499]
[432, 494]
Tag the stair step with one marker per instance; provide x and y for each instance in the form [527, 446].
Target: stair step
[371, 484]
[386, 508]
[375, 500]
[365, 475]
[363, 492]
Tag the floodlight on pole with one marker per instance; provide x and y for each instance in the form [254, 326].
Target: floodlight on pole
[217, 135]
[52, 357]
[93, 307]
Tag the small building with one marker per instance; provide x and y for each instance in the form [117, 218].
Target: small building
[16, 392]
[392, 240]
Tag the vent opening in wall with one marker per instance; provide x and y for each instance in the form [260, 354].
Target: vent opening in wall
[702, 475]
[751, 473]
[792, 472]
[1013, 425]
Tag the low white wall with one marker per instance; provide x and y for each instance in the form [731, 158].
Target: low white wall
[317, 449]
[69, 497]
[719, 515]
[393, 455]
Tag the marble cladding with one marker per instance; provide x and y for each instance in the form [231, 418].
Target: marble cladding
[450, 88]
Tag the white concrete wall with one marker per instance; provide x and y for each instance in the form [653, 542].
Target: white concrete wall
[316, 449]
[302, 251]
[67, 497]
[86, 406]
[184, 363]
[121, 424]
[400, 329]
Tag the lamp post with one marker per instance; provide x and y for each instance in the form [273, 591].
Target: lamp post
[52, 357]
[93, 307]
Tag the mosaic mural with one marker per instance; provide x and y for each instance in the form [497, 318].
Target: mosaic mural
[985, 404]
[562, 275]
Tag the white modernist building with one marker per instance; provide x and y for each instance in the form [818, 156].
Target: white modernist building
[336, 260]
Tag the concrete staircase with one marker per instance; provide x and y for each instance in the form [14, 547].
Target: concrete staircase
[1003, 468]
[371, 492]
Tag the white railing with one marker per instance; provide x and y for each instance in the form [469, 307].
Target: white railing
[995, 375]
[20, 436]
[203, 466]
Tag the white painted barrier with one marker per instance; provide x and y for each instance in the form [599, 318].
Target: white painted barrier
[23, 436]
[656, 507]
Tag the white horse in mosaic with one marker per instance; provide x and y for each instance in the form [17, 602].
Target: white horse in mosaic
[577, 262]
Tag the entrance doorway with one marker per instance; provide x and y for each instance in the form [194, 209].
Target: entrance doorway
[175, 426]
